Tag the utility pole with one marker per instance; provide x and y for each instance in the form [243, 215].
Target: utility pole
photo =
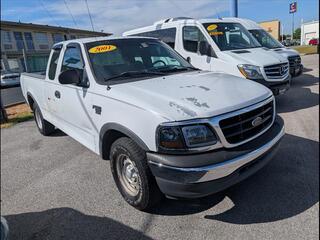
[234, 8]
[292, 25]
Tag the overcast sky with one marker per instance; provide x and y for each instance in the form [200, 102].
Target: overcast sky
[117, 16]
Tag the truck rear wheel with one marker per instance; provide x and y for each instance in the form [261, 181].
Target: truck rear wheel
[132, 175]
[44, 127]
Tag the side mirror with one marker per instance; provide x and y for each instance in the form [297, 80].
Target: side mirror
[71, 76]
[188, 59]
[206, 49]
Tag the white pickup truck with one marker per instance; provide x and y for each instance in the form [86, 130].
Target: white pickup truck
[167, 128]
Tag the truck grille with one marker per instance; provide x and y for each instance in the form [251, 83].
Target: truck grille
[241, 127]
[294, 61]
[277, 71]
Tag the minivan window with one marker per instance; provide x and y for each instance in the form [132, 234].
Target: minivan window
[111, 58]
[54, 63]
[231, 36]
[265, 39]
[167, 35]
[192, 36]
[72, 59]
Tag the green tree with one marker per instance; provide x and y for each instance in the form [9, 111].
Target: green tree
[297, 33]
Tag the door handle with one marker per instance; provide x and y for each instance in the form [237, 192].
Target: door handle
[57, 94]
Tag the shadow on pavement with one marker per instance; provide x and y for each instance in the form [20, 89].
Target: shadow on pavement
[67, 223]
[299, 96]
[287, 186]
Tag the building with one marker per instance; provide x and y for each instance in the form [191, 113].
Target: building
[26, 46]
[309, 30]
[272, 27]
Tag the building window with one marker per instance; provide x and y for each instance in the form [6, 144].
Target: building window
[57, 37]
[6, 36]
[73, 37]
[19, 40]
[29, 40]
[41, 38]
[166, 35]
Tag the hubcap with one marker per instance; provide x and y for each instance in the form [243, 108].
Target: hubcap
[38, 118]
[128, 174]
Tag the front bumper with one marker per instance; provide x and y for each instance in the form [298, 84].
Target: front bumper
[223, 167]
[276, 87]
[296, 70]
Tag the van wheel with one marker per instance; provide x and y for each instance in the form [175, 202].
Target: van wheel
[132, 175]
[44, 127]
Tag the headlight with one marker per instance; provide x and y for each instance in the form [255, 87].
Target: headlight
[250, 71]
[185, 137]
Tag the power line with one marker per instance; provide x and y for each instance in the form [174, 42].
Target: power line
[89, 15]
[74, 21]
[48, 13]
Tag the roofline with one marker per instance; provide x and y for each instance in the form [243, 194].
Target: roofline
[310, 22]
[49, 27]
[273, 20]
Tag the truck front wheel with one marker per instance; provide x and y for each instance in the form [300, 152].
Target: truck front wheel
[132, 175]
[44, 127]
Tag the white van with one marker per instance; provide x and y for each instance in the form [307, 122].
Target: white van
[221, 45]
[267, 41]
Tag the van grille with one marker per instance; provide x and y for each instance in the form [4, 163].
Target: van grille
[277, 71]
[241, 127]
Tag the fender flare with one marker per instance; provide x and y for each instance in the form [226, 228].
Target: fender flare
[120, 128]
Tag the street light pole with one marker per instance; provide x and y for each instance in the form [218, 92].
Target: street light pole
[234, 8]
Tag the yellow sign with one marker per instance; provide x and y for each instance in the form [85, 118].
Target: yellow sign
[215, 33]
[212, 27]
[102, 48]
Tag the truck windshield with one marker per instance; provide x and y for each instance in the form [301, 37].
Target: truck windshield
[231, 36]
[265, 39]
[133, 58]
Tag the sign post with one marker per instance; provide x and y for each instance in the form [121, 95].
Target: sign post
[292, 9]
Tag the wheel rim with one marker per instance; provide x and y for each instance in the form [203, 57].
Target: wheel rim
[128, 175]
[38, 118]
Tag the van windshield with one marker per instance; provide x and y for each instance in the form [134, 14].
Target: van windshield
[133, 58]
[231, 36]
[265, 39]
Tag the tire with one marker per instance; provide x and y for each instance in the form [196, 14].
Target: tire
[44, 127]
[127, 157]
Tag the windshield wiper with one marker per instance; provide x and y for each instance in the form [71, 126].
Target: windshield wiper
[129, 74]
[176, 69]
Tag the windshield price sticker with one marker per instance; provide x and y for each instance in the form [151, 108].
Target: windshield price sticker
[102, 49]
[212, 27]
[215, 33]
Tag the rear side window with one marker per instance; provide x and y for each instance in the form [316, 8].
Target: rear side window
[167, 35]
[192, 36]
[72, 58]
[54, 63]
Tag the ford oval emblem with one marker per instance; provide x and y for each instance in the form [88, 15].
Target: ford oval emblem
[257, 121]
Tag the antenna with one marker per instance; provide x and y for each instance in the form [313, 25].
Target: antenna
[89, 15]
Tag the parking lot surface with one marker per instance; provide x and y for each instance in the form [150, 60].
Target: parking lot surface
[54, 188]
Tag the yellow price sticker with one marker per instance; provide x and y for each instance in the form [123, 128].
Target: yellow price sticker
[212, 27]
[102, 49]
[215, 33]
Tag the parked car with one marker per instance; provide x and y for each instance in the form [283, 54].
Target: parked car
[9, 79]
[314, 41]
[267, 41]
[221, 45]
[167, 127]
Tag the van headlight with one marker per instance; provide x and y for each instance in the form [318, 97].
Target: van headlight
[250, 71]
[182, 138]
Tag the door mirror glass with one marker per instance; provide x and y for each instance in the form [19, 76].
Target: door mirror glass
[71, 76]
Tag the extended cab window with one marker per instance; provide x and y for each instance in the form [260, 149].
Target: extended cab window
[72, 58]
[192, 36]
[231, 36]
[167, 35]
[54, 62]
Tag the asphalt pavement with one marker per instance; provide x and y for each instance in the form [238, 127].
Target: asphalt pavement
[54, 188]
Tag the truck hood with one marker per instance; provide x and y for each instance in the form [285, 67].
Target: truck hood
[256, 56]
[191, 95]
[286, 52]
